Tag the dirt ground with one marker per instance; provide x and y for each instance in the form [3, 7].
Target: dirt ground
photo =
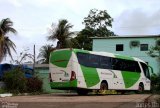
[75, 101]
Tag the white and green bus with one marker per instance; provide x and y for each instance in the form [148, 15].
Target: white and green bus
[83, 71]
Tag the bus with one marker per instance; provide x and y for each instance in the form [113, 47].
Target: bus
[84, 71]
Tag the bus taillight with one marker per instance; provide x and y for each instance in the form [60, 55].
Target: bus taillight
[73, 76]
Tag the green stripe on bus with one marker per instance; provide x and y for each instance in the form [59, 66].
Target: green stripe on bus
[90, 75]
[61, 58]
[58, 85]
[124, 57]
[79, 50]
[130, 78]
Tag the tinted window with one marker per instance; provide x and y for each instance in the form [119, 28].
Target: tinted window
[93, 61]
[96, 61]
[115, 64]
[145, 70]
[105, 62]
[83, 59]
[125, 65]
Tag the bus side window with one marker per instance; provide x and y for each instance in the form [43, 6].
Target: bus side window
[114, 64]
[132, 66]
[125, 65]
[105, 62]
[83, 59]
[94, 60]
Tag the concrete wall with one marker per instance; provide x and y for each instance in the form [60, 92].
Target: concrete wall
[109, 45]
[42, 70]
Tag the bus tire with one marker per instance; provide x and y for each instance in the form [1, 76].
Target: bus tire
[103, 88]
[123, 92]
[82, 92]
[140, 88]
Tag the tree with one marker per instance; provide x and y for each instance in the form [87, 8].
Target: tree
[83, 39]
[62, 33]
[99, 20]
[15, 80]
[6, 45]
[154, 52]
[45, 53]
[96, 24]
[155, 83]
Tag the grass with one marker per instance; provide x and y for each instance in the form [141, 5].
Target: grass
[2, 91]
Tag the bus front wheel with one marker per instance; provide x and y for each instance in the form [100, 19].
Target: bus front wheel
[140, 88]
[103, 88]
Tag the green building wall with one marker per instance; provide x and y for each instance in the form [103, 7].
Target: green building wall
[43, 74]
[109, 45]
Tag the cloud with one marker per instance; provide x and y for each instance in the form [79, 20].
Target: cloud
[138, 22]
[16, 3]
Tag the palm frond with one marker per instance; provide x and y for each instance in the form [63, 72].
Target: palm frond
[6, 26]
[6, 45]
[45, 53]
[61, 32]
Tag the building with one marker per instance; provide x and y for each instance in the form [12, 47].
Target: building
[136, 46]
[42, 71]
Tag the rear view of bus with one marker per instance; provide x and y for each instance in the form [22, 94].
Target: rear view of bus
[61, 74]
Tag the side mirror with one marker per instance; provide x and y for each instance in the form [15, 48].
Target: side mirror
[150, 69]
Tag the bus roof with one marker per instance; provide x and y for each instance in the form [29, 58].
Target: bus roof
[109, 54]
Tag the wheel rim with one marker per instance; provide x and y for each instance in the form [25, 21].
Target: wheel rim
[140, 88]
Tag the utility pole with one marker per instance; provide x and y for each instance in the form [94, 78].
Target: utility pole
[34, 58]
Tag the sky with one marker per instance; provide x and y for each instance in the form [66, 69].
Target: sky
[33, 18]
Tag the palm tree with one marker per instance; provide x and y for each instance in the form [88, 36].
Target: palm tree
[62, 33]
[45, 53]
[6, 45]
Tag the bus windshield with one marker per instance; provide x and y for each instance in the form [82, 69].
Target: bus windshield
[146, 70]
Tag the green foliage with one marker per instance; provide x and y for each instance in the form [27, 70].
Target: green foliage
[45, 53]
[154, 51]
[17, 83]
[99, 20]
[155, 83]
[6, 45]
[15, 80]
[96, 24]
[34, 84]
[83, 39]
[2, 90]
[62, 33]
